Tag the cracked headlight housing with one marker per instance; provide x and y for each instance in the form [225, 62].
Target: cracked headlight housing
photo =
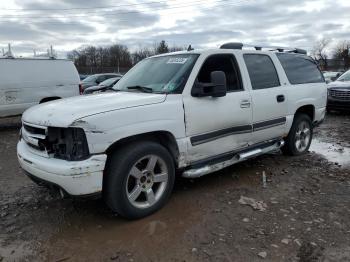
[67, 143]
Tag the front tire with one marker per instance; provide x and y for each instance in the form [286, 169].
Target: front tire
[300, 135]
[139, 179]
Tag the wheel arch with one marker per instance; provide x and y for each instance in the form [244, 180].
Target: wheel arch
[308, 110]
[47, 99]
[165, 138]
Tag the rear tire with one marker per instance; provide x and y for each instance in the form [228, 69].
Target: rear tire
[300, 135]
[139, 179]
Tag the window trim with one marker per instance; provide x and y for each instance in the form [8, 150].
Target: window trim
[274, 66]
[234, 65]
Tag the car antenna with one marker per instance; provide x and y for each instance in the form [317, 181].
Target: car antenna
[190, 48]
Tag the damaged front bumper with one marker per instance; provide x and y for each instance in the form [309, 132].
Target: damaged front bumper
[77, 178]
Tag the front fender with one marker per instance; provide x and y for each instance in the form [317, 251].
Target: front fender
[105, 129]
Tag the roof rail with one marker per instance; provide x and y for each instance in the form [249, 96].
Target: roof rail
[236, 45]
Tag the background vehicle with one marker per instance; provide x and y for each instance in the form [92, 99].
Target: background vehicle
[339, 93]
[102, 87]
[331, 76]
[94, 80]
[192, 111]
[82, 76]
[27, 81]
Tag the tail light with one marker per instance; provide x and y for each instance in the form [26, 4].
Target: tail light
[81, 91]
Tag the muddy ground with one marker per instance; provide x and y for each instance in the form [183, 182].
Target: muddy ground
[306, 216]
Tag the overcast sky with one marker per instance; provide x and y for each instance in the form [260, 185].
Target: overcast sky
[69, 24]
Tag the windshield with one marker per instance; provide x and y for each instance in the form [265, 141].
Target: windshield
[164, 74]
[344, 77]
[108, 82]
[90, 79]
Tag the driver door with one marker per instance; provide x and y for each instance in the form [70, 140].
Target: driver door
[218, 125]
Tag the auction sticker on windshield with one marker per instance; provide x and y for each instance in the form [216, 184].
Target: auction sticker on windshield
[177, 60]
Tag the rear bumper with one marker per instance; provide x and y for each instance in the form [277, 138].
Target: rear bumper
[77, 178]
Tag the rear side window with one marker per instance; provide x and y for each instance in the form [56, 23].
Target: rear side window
[300, 69]
[262, 71]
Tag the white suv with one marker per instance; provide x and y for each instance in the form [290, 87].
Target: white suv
[194, 112]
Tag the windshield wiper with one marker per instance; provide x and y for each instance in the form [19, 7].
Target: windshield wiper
[141, 88]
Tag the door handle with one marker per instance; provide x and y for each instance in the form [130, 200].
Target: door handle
[280, 98]
[245, 104]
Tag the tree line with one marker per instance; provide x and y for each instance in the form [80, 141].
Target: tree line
[92, 59]
[332, 58]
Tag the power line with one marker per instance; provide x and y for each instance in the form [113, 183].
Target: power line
[83, 8]
[91, 8]
[108, 11]
[117, 12]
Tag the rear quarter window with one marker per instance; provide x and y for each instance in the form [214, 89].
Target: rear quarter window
[300, 69]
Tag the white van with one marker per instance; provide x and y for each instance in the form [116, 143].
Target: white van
[25, 82]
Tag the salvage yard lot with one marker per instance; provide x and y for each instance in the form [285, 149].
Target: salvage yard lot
[305, 214]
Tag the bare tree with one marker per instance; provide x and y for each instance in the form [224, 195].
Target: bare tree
[175, 48]
[91, 59]
[319, 52]
[141, 54]
[342, 51]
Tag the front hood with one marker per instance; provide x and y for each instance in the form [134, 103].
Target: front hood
[63, 112]
[339, 85]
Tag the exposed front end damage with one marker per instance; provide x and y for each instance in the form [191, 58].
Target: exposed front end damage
[61, 156]
[62, 143]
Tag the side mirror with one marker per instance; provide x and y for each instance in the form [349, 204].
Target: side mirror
[217, 87]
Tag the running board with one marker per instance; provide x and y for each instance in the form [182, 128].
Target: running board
[236, 158]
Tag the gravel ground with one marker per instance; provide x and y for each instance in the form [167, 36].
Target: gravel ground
[302, 214]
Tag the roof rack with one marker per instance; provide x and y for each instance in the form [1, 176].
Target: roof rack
[237, 45]
[7, 54]
[51, 54]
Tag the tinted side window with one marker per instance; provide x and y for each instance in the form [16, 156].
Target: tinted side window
[225, 63]
[109, 76]
[100, 79]
[262, 71]
[300, 69]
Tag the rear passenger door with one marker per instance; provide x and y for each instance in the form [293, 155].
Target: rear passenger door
[269, 98]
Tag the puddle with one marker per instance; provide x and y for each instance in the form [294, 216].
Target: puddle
[333, 152]
[15, 252]
[148, 239]
[124, 240]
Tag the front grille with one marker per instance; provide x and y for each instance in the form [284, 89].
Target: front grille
[340, 94]
[34, 130]
[34, 136]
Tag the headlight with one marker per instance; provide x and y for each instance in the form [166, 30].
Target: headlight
[67, 143]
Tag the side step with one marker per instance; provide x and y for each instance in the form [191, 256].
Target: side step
[236, 158]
